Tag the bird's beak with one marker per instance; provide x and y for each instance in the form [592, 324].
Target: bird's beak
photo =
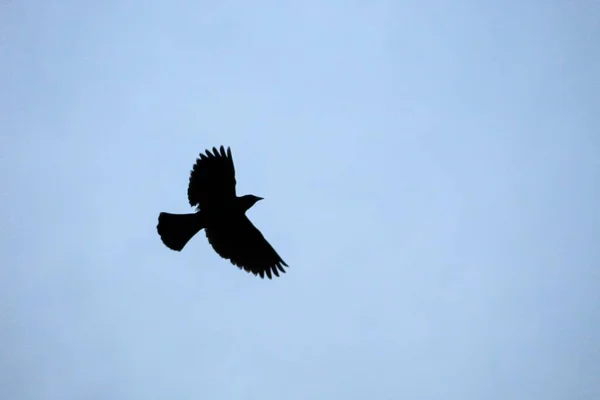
[259, 198]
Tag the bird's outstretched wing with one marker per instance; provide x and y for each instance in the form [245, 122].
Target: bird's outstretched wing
[240, 242]
[212, 179]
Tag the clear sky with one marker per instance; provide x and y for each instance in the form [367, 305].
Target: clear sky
[431, 174]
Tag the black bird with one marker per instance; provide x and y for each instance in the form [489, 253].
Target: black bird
[222, 215]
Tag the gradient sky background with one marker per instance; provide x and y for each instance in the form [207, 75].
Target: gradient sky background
[431, 173]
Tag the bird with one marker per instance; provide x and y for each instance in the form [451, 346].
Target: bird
[222, 215]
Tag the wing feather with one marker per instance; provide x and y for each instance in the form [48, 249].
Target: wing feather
[240, 242]
[212, 179]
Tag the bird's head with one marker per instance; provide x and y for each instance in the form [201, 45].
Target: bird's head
[247, 201]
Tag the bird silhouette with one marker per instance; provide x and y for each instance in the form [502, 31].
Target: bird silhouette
[222, 215]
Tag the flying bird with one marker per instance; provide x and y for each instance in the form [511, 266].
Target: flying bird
[222, 215]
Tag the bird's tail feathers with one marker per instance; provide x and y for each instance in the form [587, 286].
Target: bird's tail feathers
[176, 230]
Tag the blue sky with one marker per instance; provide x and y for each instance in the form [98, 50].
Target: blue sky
[430, 172]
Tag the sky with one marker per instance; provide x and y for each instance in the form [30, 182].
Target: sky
[431, 174]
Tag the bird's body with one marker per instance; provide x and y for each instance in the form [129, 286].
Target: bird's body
[222, 214]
